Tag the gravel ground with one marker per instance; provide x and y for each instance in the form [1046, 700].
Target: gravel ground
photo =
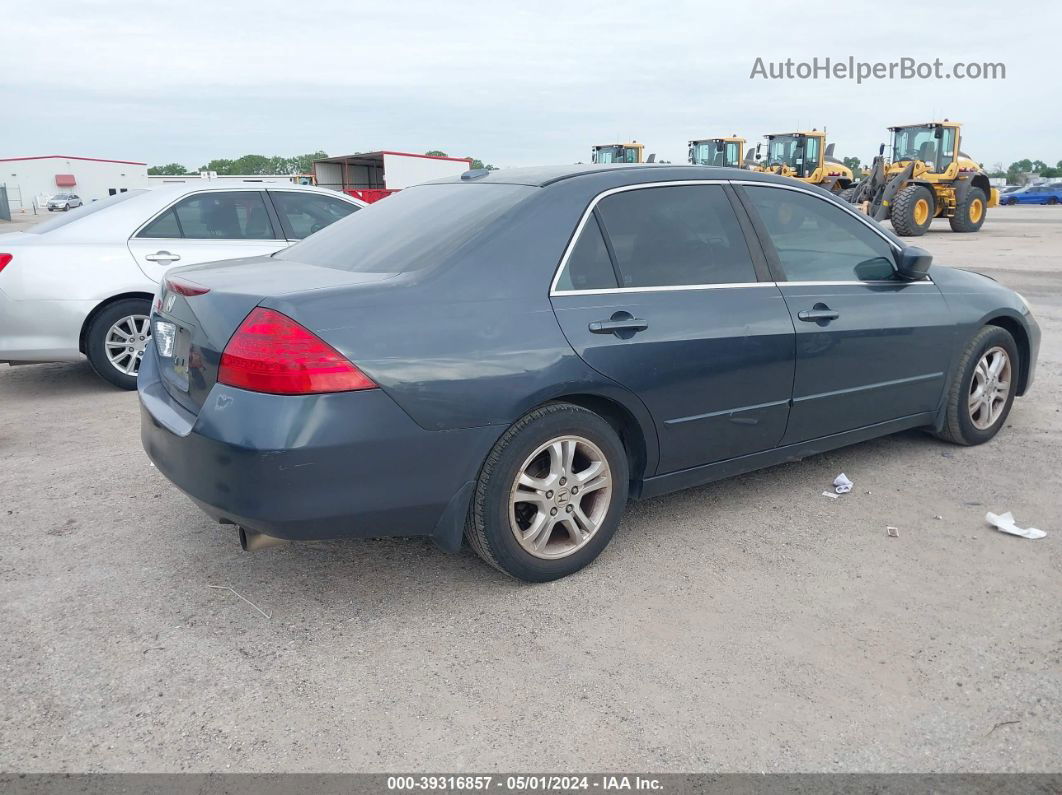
[750, 625]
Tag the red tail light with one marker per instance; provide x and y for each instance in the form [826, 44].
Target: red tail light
[185, 287]
[272, 353]
[4, 259]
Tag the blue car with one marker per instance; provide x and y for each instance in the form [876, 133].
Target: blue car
[509, 356]
[1037, 194]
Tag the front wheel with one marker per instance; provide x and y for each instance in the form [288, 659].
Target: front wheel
[550, 494]
[912, 211]
[116, 339]
[980, 398]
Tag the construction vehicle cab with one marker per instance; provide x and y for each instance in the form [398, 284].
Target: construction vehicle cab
[805, 156]
[925, 175]
[617, 153]
[728, 152]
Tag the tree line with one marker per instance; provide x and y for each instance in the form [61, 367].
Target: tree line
[248, 164]
[257, 165]
[1017, 171]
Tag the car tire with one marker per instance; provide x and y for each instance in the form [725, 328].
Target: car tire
[1052, 200]
[548, 455]
[967, 422]
[913, 211]
[970, 212]
[99, 334]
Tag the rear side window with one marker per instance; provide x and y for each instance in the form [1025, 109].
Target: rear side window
[164, 226]
[589, 266]
[306, 213]
[236, 215]
[676, 236]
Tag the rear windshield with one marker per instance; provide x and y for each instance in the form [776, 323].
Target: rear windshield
[85, 209]
[409, 230]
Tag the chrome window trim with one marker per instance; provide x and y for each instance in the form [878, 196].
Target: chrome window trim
[553, 291]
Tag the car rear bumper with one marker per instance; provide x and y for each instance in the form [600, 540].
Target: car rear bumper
[342, 465]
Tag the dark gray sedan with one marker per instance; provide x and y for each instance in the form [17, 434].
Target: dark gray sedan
[509, 356]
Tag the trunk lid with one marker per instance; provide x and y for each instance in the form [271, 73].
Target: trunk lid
[203, 323]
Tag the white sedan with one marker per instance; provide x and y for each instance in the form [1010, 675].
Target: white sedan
[82, 284]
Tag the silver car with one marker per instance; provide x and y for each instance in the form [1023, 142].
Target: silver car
[82, 284]
[64, 201]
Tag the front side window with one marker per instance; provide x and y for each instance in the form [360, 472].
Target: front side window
[817, 241]
[218, 215]
[306, 213]
[675, 236]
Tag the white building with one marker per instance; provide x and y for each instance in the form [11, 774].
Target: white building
[370, 176]
[31, 181]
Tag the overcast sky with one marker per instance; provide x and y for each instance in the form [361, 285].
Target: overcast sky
[511, 83]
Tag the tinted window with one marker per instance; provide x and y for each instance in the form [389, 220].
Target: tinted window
[589, 266]
[163, 226]
[674, 236]
[413, 229]
[817, 241]
[225, 216]
[306, 213]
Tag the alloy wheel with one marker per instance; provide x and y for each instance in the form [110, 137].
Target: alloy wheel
[989, 388]
[560, 497]
[125, 343]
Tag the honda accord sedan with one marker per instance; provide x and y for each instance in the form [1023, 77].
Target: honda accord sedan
[81, 285]
[508, 356]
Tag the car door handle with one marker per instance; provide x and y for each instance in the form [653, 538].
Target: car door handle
[818, 314]
[612, 326]
[162, 256]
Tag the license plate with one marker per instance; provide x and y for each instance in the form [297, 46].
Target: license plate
[165, 338]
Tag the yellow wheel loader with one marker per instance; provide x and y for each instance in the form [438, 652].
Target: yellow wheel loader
[619, 153]
[728, 152]
[926, 176]
[805, 156]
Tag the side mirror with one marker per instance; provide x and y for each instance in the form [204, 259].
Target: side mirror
[881, 150]
[914, 263]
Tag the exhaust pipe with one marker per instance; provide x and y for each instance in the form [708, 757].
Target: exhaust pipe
[252, 541]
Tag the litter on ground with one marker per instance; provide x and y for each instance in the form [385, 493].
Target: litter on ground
[842, 485]
[1005, 523]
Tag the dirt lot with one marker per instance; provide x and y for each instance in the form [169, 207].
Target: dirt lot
[750, 625]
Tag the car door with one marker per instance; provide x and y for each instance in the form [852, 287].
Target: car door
[660, 292]
[206, 226]
[302, 213]
[870, 346]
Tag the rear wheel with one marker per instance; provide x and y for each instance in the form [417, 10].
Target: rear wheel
[116, 339]
[969, 212]
[550, 495]
[912, 211]
[1052, 200]
[983, 391]
[848, 194]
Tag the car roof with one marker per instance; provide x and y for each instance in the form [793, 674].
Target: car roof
[541, 176]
